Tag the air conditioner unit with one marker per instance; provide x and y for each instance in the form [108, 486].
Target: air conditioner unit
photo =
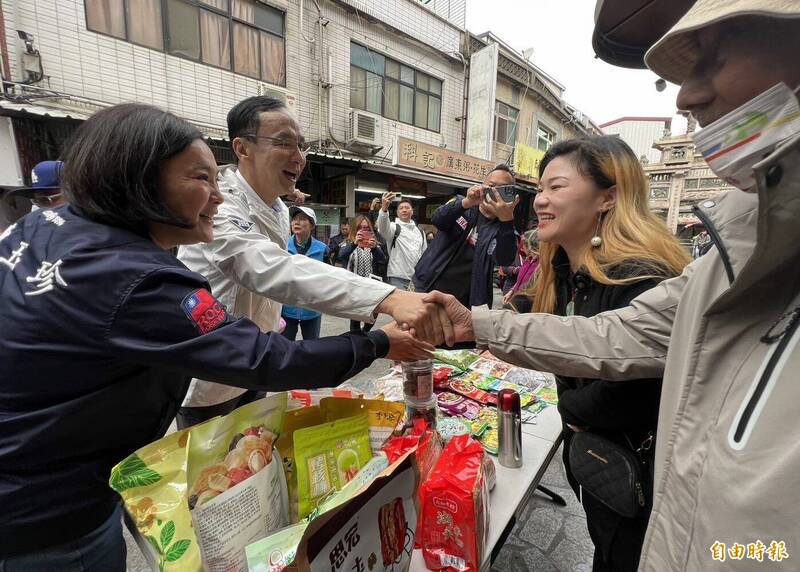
[280, 94]
[364, 128]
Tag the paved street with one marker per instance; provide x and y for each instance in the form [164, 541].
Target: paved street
[548, 538]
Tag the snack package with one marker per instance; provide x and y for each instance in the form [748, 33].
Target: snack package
[452, 426]
[548, 394]
[327, 457]
[464, 387]
[491, 367]
[528, 378]
[383, 417]
[478, 379]
[525, 397]
[490, 439]
[307, 397]
[278, 551]
[458, 358]
[292, 421]
[455, 508]
[457, 405]
[372, 531]
[200, 495]
[441, 373]
[388, 387]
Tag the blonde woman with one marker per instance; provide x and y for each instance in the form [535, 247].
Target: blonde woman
[600, 247]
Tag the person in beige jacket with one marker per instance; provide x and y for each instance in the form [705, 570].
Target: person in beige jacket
[724, 334]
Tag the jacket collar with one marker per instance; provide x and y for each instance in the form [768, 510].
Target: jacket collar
[759, 231]
[272, 220]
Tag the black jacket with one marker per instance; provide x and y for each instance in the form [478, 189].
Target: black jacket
[100, 333]
[496, 246]
[378, 257]
[618, 410]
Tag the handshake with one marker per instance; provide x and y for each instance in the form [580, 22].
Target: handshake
[423, 321]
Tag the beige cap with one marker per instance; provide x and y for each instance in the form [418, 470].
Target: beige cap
[674, 55]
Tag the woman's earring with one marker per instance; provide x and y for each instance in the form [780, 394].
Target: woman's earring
[596, 240]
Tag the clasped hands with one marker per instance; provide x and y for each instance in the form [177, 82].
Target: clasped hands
[423, 321]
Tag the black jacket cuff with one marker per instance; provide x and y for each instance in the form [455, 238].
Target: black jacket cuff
[381, 341]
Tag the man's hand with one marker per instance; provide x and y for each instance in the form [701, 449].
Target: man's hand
[460, 317]
[376, 202]
[498, 207]
[473, 198]
[385, 200]
[405, 347]
[426, 320]
[297, 196]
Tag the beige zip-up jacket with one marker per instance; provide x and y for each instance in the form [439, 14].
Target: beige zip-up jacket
[728, 445]
[253, 275]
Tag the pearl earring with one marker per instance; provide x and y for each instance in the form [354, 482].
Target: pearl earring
[596, 240]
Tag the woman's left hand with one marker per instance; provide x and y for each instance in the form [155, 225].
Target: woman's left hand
[372, 242]
[405, 347]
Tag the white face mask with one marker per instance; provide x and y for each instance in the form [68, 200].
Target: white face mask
[733, 144]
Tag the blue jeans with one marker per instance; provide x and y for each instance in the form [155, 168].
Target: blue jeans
[310, 328]
[102, 550]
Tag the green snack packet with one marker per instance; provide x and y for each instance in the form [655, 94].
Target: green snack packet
[548, 394]
[457, 358]
[327, 457]
[490, 440]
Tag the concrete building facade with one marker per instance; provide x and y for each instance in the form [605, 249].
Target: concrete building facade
[640, 133]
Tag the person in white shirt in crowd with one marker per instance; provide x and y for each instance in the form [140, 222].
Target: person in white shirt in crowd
[248, 265]
[405, 240]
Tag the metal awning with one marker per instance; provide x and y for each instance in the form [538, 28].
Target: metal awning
[57, 112]
[320, 155]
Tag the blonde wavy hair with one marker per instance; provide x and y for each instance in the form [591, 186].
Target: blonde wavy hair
[630, 232]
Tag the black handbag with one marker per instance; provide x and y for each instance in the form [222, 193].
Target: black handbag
[610, 472]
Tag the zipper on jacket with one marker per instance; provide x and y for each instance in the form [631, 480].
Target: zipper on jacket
[712, 230]
[763, 382]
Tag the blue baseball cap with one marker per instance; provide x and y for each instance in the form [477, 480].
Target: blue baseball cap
[45, 176]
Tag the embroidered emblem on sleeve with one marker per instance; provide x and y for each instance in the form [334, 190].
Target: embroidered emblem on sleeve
[204, 311]
[245, 225]
[462, 222]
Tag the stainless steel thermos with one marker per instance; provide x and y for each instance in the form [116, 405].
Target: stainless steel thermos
[509, 419]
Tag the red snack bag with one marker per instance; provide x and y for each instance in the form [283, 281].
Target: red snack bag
[455, 508]
[466, 389]
[441, 373]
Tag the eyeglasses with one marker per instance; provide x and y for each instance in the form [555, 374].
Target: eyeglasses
[44, 201]
[286, 144]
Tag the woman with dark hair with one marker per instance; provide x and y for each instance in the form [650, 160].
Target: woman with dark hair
[109, 328]
[362, 255]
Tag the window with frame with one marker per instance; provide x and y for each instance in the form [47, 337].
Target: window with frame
[386, 87]
[544, 137]
[505, 123]
[207, 31]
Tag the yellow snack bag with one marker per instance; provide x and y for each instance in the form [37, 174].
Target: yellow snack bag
[201, 495]
[382, 416]
[327, 457]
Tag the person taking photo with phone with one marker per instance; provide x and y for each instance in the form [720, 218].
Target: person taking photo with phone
[476, 233]
[406, 241]
[363, 256]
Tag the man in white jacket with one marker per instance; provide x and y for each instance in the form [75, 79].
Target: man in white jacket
[247, 263]
[405, 240]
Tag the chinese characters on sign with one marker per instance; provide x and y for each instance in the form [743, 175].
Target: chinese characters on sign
[410, 153]
[776, 551]
[527, 160]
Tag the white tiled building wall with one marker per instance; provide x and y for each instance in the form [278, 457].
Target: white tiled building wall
[87, 64]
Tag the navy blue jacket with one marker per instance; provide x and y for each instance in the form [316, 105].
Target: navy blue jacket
[100, 334]
[496, 246]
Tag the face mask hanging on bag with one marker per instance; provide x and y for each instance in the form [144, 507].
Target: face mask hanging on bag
[733, 144]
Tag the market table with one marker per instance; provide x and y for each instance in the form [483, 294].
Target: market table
[514, 487]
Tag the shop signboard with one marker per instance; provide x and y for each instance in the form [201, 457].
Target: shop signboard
[424, 157]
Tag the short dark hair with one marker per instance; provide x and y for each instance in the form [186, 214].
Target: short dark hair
[401, 201]
[112, 161]
[503, 167]
[244, 117]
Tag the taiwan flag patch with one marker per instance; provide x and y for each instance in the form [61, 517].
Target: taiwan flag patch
[462, 222]
[204, 310]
